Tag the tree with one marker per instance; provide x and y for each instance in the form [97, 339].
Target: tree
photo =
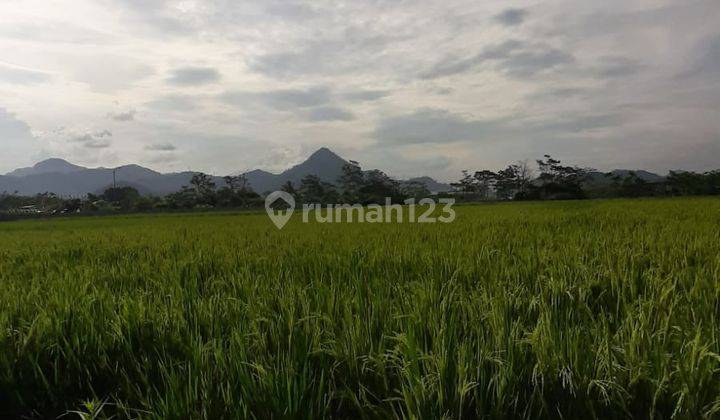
[524, 177]
[145, 203]
[313, 190]
[186, 198]
[351, 182]
[204, 187]
[236, 192]
[713, 182]
[289, 188]
[227, 197]
[236, 183]
[485, 183]
[513, 182]
[630, 185]
[560, 181]
[507, 183]
[414, 189]
[466, 185]
[123, 197]
[377, 187]
[689, 183]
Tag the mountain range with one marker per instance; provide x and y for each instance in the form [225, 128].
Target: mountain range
[601, 179]
[66, 179]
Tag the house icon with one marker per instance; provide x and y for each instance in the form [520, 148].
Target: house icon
[279, 206]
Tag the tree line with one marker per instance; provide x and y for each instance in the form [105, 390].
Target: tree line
[552, 180]
[353, 186]
[548, 179]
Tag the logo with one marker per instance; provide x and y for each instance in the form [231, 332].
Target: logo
[279, 205]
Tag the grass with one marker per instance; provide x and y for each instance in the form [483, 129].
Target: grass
[601, 309]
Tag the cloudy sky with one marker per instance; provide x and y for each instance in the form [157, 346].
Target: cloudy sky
[412, 87]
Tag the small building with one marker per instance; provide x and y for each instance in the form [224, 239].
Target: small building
[25, 210]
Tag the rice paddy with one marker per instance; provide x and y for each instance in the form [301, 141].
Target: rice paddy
[599, 309]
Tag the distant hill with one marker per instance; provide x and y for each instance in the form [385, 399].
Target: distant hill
[432, 185]
[644, 175]
[65, 179]
[600, 179]
[324, 163]
[49, 166]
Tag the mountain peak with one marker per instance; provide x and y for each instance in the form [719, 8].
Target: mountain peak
[324, 153]
[53, 161]
[322, 159]
[323, 163]
[47, 166]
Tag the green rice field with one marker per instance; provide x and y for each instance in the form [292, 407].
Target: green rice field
[592, 309]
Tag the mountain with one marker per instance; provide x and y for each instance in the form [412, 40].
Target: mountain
[324, 164]
[600, 179]
[91, 181]
[261, 181]
[49, 166]
[65, 179]
[432, 185]
[644, 175]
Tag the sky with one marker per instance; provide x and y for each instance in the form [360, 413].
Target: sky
[421, 87]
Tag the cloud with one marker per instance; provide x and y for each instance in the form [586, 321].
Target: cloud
[174, 103]
[290, 11]
[406, 164]
[104, 73]
[614, 66]
[13, 128]
[576, 124]
[20, 75]
[194, 76]
[161, 147]
[95, 140]
[439, 126]
[350, 50]
[123, 116]
[558, 93]
[433, 126]
[284, 99]
[507, 80]
[450, 66]
[443, 91]
[44, 31]
[287, 64]
[511, 17]
[18, 142]
[529, 60]
[318, 97]
[366, 95]
[515, 58]
[157, 17]
[707, 60]
[330, 113]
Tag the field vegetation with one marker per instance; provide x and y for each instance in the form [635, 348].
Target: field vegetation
[583, 309]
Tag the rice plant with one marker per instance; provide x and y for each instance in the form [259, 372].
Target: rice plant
[599, 309]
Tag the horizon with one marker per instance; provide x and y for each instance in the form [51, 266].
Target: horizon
[279, 172]
[424, 89]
